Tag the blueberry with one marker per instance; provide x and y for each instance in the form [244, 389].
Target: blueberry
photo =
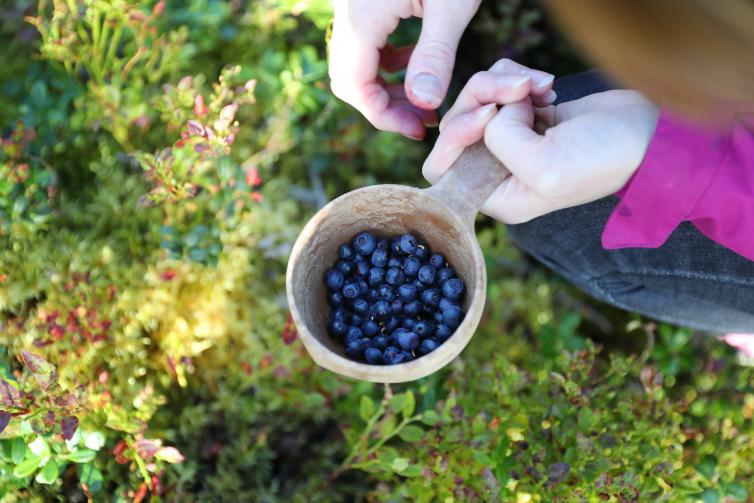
[364, 243]
[344, 266]
[427, 274]
[438, 316]
[407, 292]
[452, 316]
[380, 342]
[354, 349]
[408, 340]
[361, 268]
[389, 354]
[394, 276]
[380, 310]
[411, 266]
[405, 356]
[335, 299]
[445, 274]
[431, 297]
[354, 333]
[361, 306]
[419, 286]
[427, 346]
[372, 294]
[350, 290]
[412, 308]
[379, 258]
[400, 330]
[443, 332]
[421, 252]
[383, 244]
[424, 328]
[437, 261]
[376, 276]
[356, 319]
[337, 328]
[334, 279]
[370, 328]
[395, 245]
[363, 286]
[396, 306]
[373, 356]
[340, 313]
[346, 252]
[386, 293]
[392, 323]
[407, 244]
[453, 288]
[395, 262]
[446, 303]
[409, 323]
[366, 342]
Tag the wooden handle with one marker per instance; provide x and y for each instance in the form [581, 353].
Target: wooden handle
[470, 181]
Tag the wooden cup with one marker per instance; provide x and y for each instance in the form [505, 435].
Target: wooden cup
[442, 216]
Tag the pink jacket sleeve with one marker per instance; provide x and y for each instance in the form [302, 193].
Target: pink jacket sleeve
[690, 174]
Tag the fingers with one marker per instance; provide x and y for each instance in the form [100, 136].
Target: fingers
[463, 131]
[429, 70]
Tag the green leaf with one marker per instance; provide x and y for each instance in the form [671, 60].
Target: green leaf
[39, 447]
[80, 456]
[586, 420]
[736, 491]
[400, 464]
[409, 404]
[709, 496]
[430, 417]
[412, 471]
[411, 433]
[396, 403]
[366, 408]
[49, 473]
[91, 477]
[94, 440]
[18, 450]
[707, 467]
[27, 467]
[5, 449]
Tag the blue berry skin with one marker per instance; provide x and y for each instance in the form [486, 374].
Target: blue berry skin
[363, 286]
[370, 328]
[353, 334]
[431, 297]
[335, 299]
[337, 328]
[407, 244]
[443, 332]
[427, 274]
[437, 261]
[383, 244]
[446, 303]
[340, 313]
[344, 266]
[411, 266]
[420, 287]
[395, 262]
[361, 268]
[453, 288]
[380, 342]
[361, 307]
[381, 310]
[376, 276]
[406, 357]
[373, 356]
[350, 290]
[392, 323]
[444, 275]
[395, 245]
[424, 328]
[407, 292]
[452, 316]
[408, 340]
[356, 319]
[396, 306]
[427, 346]
[408, 323]
[389, 354]
[372, 294]
[422, 253]
[346, 252]
[386, 293]
[334, 279]
[354, 349]
[364, 243]
[379, 258]
[366, 342]
[394, 276]
[438, 317]
[412, 308]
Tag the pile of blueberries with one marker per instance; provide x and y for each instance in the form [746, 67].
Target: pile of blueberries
[391, 299]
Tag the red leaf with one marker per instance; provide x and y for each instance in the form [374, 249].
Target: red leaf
[9, 393]
[199, 107]
[252, 177]
[4, 420]
[168, 275]
[69, 425]
[141, 493]
[158, 8]
[195, 128]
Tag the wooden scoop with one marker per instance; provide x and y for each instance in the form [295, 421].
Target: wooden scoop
[442, 216]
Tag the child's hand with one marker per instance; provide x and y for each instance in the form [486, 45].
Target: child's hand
[578, 151]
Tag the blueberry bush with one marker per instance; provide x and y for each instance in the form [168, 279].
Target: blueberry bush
[157, 161]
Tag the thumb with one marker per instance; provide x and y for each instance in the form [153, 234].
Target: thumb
[431, 65]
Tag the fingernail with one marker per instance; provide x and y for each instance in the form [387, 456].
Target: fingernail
[486, 111]
[550, 97]
[544, 81]
[513, 81]
[415, 138]
[427, 88]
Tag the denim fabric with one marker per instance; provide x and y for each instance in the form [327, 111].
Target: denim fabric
[689, 281]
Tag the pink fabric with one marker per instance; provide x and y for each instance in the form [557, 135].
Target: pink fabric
[691, 174]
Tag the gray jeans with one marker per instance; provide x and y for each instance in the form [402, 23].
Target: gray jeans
[690, 281]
